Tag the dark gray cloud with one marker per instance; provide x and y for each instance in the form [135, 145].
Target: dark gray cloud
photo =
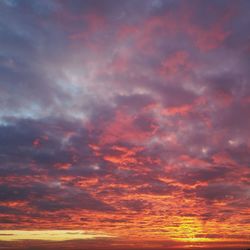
[224, 191]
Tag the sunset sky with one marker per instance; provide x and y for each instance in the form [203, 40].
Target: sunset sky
[124, 124]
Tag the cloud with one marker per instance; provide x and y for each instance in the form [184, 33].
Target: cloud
[127, 116]
[220, 192]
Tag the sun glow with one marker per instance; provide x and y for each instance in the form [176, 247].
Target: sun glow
[189, 230]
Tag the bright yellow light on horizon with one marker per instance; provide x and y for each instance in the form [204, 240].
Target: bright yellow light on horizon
[49, 235]
[189, 229]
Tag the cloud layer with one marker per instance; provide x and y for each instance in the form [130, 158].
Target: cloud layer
[129, 117]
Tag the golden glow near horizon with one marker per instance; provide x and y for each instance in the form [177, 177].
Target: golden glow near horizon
[49, 235]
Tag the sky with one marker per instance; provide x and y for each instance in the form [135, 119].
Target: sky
[124, 124]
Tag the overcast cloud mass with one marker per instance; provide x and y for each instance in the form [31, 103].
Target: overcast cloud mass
[127, 119]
